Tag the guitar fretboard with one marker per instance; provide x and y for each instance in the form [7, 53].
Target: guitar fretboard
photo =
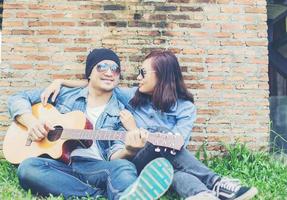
[78, 134]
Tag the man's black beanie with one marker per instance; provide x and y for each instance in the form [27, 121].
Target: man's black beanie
[98, 55]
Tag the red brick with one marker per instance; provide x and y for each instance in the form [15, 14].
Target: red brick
[36, 58]
[253, 9]
[39, 7]
[48, 32]
[230, 9]
[22, 32]
[22, 66]
[7, 5]
[63, 23]
[12, 23]
[28, 15]
[38, 23]
[75, 49]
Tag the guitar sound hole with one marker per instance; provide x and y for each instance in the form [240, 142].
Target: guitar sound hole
[55, 134]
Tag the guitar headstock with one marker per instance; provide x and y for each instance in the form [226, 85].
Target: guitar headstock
[169, 140]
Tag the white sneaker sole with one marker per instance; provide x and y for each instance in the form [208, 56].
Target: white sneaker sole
[248, 195]
[153, 181]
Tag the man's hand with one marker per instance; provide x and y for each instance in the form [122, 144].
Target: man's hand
[37, 129]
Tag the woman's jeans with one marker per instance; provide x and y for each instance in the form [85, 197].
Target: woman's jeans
[190, 177]
[83, 177]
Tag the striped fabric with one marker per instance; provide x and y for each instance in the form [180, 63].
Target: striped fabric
[152, 183]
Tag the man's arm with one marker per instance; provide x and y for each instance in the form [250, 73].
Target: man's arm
[22, 102]
[20, 109]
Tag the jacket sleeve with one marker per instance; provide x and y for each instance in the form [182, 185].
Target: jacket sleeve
[124, 95]
[184, 122]
[116, 145]
[22, 102]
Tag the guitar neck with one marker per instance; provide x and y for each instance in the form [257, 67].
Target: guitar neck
[157, 139]
[78, 134]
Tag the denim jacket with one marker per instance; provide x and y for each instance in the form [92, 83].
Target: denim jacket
[70, 99]
[179, 119]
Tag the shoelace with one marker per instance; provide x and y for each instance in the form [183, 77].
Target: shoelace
[232, 185]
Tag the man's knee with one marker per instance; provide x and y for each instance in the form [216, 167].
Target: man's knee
[28, 169]
[122, 164]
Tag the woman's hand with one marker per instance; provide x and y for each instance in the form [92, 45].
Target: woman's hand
[53, 88]
[128, 120]
[135, 140]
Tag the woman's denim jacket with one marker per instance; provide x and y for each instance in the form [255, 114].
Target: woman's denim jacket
[179, 119]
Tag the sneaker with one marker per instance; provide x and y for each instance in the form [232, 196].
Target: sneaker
[203, 196]
[153, 181]
[230, 189]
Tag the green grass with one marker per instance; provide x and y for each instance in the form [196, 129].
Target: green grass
[258, 169]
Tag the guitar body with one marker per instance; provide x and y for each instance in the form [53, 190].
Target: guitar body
[68, 134]
[16, 147]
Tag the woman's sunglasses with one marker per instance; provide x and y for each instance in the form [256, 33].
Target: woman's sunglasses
[142, 72]
[104, 67]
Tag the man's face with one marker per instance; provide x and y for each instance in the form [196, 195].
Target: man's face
[105, 75]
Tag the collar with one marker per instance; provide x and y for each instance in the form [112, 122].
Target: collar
[174, 107]
[112, 107]
[83, 93]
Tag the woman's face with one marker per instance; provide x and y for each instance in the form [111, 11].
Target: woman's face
[147, 79]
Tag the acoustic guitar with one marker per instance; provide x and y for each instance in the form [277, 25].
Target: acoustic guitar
[70, 130]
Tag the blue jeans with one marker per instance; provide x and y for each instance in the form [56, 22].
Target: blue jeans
[190, 175]
[83, 177]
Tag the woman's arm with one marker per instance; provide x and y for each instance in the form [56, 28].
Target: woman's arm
[55, 87]
[185, 118]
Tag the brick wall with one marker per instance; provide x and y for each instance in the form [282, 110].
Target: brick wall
[221, 45]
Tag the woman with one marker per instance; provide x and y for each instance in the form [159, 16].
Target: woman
[162, 100]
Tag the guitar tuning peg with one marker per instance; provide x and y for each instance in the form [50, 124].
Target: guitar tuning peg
[172, 152]
[165, 149]
[157, 149]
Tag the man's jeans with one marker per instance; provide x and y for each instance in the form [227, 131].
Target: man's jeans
[83, 177]
[190, 175]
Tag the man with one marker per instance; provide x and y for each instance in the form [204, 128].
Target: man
[91, 172]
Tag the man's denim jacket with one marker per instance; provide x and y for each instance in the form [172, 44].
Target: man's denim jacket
[70, 99]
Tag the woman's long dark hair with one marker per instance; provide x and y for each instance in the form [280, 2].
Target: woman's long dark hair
[170, 85]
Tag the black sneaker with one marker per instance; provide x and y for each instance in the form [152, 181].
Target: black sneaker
[230, 189]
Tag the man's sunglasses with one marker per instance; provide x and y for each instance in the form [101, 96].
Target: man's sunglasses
[142, 72]
[104, 67]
